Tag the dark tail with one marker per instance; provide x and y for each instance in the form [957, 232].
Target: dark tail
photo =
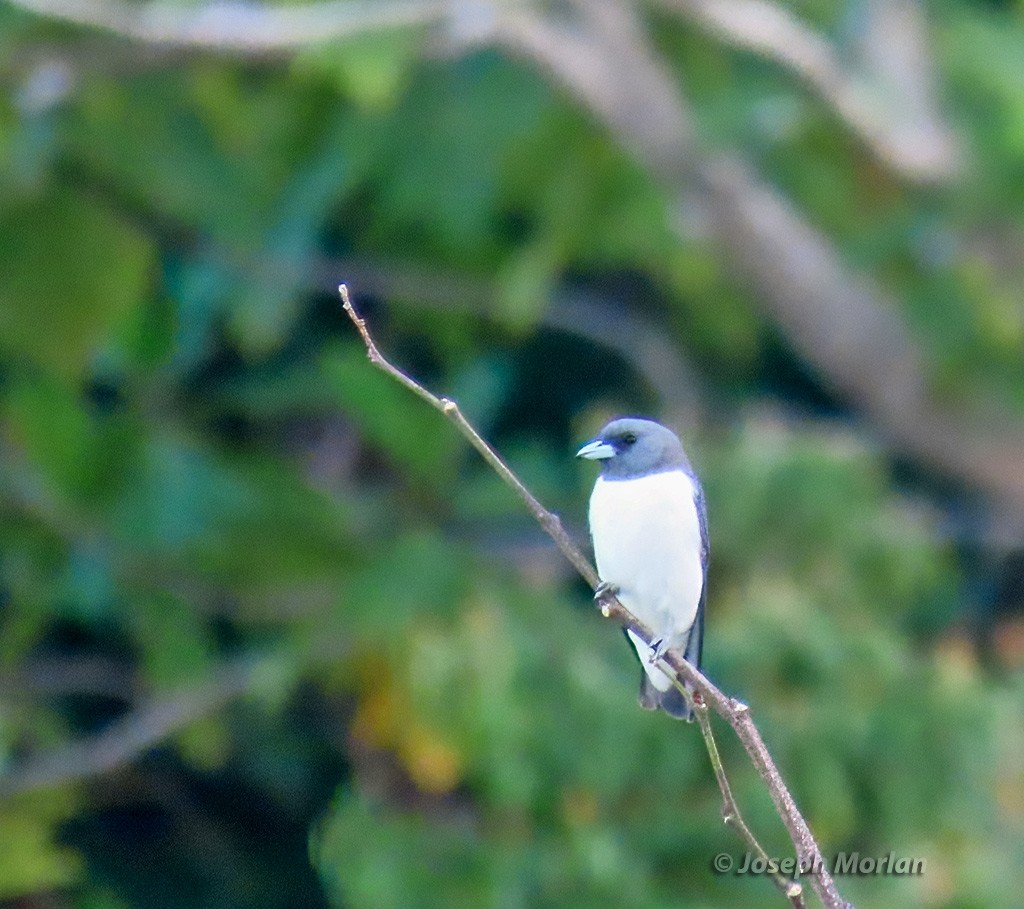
[673, 702]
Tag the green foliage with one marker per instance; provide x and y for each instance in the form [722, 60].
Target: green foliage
[413, 435]
[371, 69]
[29, 858]
[199, 466]
[56, 315]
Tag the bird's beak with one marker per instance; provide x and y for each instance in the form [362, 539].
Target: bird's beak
[596, 450]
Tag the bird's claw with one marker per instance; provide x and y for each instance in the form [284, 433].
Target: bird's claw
[658, 649]
[603, 589]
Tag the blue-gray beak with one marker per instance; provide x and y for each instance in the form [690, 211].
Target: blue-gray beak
[596, 450]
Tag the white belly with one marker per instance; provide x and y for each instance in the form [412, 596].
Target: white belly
[647, 543]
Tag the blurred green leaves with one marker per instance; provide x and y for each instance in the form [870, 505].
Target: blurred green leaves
[30, 860]
[416, 437]
[371, 68]
[72, 269]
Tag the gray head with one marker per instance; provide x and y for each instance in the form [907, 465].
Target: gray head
[631, 447]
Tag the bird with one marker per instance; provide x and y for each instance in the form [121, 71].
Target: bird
[648, 523]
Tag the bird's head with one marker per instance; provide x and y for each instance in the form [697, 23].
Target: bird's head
[632, 447]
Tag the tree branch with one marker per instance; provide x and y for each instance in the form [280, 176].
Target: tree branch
[153, 721]
[895, 117]
[133, 734]
[831, 316]
[790, 889]
[735, 713]
[239, 26]
[731, 814]
[550, 522]
[842, 323]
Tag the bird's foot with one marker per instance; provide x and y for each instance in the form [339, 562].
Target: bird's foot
[658, 649]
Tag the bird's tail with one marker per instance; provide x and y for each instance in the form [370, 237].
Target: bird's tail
[673, 701]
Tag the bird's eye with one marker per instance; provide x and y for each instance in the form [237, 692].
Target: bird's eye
[629, 438]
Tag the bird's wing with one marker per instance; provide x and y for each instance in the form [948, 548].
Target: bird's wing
[695, 644]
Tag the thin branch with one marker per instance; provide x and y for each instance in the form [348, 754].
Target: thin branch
[550, 522]
[790, 889]
[731, 814]
[735, 713]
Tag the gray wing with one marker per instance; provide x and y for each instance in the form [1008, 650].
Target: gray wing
[695, 644]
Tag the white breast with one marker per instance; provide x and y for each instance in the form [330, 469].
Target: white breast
[647, 543]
